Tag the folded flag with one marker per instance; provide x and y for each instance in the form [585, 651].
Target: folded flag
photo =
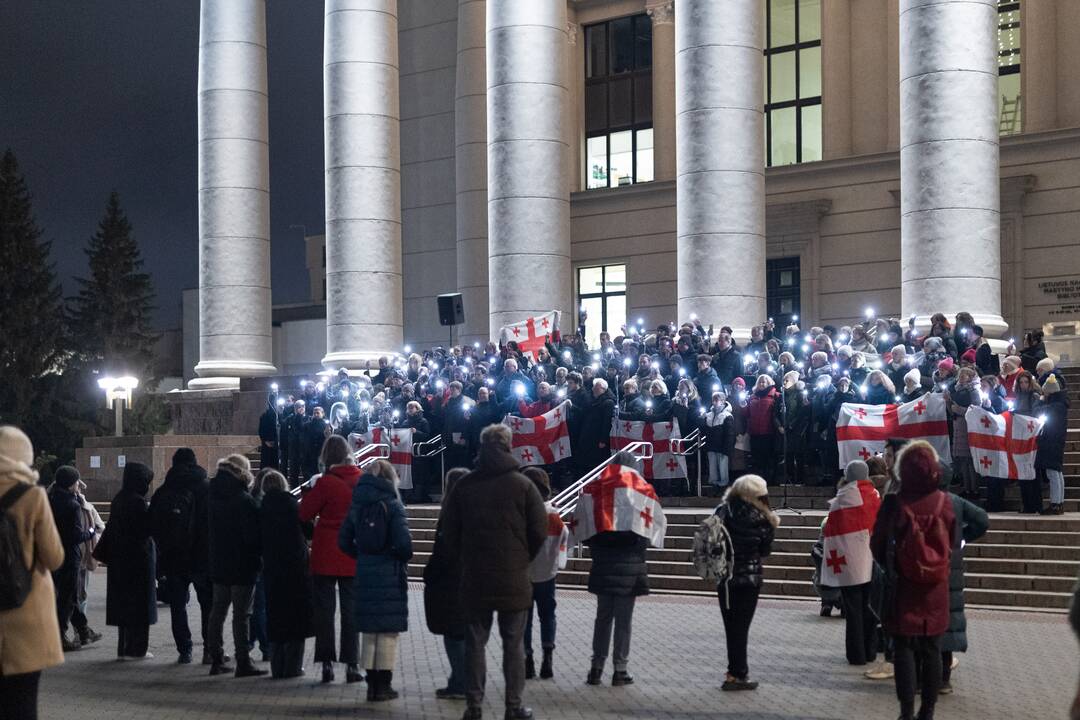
[847, 559]
[400, 441]
[664, 463]
[1003, 446]
[619, 500]
[540, 440]
[861, 430]
[531, 334]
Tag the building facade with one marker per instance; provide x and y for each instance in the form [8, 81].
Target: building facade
[831, 131]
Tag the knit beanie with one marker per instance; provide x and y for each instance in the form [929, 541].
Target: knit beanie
[913, 378]
[1045, 365]
[968, 356]
[183, 456]
[856, 470]
[1051, 385]
[946, 365]
[238, 466]
[65, 476]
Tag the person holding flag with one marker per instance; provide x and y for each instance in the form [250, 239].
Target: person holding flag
[542, 571]
[847, 562]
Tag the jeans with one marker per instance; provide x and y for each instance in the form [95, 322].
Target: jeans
[860, 624]
[477, 632]
[379, 651]
[324, 620]
[66, 582]
[1057, 486]
[617, 610]
[257, 626]
[287, 659]
[928, 652]
[544, 598]
[178, 593]
[738, 613]
[240, 597]
[132, 640]
[455, 653]
[718, 469]
[20, 693]
[1030, 496]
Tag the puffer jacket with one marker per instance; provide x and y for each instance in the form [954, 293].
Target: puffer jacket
[763, 412]
[752, 526]
[972, 522]
[618, 564]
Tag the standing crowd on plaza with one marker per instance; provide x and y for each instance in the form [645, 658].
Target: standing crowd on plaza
[326, 544]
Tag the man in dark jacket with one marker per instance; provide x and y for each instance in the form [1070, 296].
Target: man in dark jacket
[727, 362]
[235, 559]
[178, 526]
[495, 522]
[594, 440]
[294, 441]
[68, 515]
[268, 434]
[706, 380]
[314, 435]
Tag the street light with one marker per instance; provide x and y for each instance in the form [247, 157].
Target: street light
[117, 395]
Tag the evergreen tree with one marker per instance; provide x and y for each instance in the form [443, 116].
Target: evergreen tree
[32, 338]
[110, 317]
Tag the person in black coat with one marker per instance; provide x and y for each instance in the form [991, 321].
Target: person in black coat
[68, 516]
[313, 436]
[618, 575]
[594, 441]
[290, 597]
[728, 363]
[131, 591]
[178, 524]
[484, 413]
[269, 440]
[1034, 351]
[294, 442]
[1050, 455]
[235, 560]
[752, 526]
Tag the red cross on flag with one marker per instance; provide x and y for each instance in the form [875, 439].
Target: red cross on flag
[619, 500]
[847, 558]
[400, 441]
[541, 440]
[664, 463]
[1003, 446]
[861, 430]
[531, 334]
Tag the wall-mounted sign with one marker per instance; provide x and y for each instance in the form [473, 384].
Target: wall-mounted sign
[121, 460]
[1066, 292]
[95, 461]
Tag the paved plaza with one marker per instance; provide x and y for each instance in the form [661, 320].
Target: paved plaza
[1021, 666]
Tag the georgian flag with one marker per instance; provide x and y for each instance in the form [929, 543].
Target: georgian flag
[861, 430]
[531, 334]
[1003, 446]
[847, 559]
[664, 463]
[541, 440]
[400, 441]
[619, 500]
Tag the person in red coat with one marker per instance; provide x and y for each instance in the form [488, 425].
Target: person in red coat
[328, 499]
[764, 425]
[912, 540]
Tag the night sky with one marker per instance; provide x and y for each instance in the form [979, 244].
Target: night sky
[100, 95]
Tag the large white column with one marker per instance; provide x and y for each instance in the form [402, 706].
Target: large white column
[662, 13]
[721, 162]
[950, 254]
[528, 199]
[470, 161]
[363, 181]
[234, 195]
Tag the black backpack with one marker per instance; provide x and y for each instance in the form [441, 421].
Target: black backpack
[173, 517]
[15, 577]
[372, 528]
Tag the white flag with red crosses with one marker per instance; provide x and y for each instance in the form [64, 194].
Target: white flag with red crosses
[664, 463]
[540, 440]
[531, 334]
[620, 500]
[861, 430]
[400, 441]
[1003, 446]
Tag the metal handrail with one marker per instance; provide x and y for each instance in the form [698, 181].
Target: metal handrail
[695, 439]
[382, 448]
[566, 501]
[421, 449]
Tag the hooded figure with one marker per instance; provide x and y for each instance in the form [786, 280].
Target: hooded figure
[131, 594]
[913, 389]
[270, 434]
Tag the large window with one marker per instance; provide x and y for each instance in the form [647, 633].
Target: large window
[602, 296]
[782, 290]
[618, 102]
[1009, 104]
[792, 81]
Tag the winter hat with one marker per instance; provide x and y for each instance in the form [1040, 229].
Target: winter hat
[1051, 385]
[856, 470]
[238, 466]
[16, 454]
[65, 476]
[946, 365]
[1010, 365]
[791, 379]
[1045, 365]
[933, 344]
[919, 469]
[844, 351]
[540, 479]
[183, 456]
[912, 379]
[968, 356]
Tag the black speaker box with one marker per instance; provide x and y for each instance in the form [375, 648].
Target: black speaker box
[451, 309]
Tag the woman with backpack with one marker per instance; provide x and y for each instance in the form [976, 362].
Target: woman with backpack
[376, 533]
[28, 622]
[912, 540]
[328, 498]
[751, 526]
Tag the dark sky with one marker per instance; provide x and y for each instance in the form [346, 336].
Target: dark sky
[100, 95]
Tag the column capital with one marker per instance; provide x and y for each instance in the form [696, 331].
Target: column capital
[572, 32]
[662, 12]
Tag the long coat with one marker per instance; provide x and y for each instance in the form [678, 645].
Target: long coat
[1050, 454]
[131, 590]
[442, 587]
[618, 564]
[381, 599]
[290, 599]
[972, 522]
[594, 442]
[235, 557]
[329, 501]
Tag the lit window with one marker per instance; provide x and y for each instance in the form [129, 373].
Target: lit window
[792, 81]
[602, 297]
[1009, 103]
[618, 102]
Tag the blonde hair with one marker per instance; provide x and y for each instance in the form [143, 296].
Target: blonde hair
[384, 470]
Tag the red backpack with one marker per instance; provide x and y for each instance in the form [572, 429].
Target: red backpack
[925, 545]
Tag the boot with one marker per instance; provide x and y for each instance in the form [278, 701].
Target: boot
[372, 684]
[208, 659]
[219, 665]
[87, 636]
[328, 672]
[620, 678]
[595, 676]
[530, 668]
[925, 713]
[384, 691]
[546, 672]
[353, 674]
[518, 713]
[246, 668]
[69, 644]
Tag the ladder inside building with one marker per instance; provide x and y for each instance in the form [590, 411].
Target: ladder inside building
[1010, 114]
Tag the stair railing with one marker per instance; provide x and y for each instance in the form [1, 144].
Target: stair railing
[363, 457]
[566, 501]
[692, 444]
[431, 448]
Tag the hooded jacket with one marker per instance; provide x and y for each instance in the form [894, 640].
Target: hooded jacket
[752, 526]
[719, 427]
[184, 493]
[131, 592]
[235, 542]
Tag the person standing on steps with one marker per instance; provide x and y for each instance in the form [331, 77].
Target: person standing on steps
[542, 571]
[495, 523]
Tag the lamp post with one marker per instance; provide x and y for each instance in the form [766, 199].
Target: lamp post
[117, 395]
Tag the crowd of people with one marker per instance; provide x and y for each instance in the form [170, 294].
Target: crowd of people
[770, 407]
